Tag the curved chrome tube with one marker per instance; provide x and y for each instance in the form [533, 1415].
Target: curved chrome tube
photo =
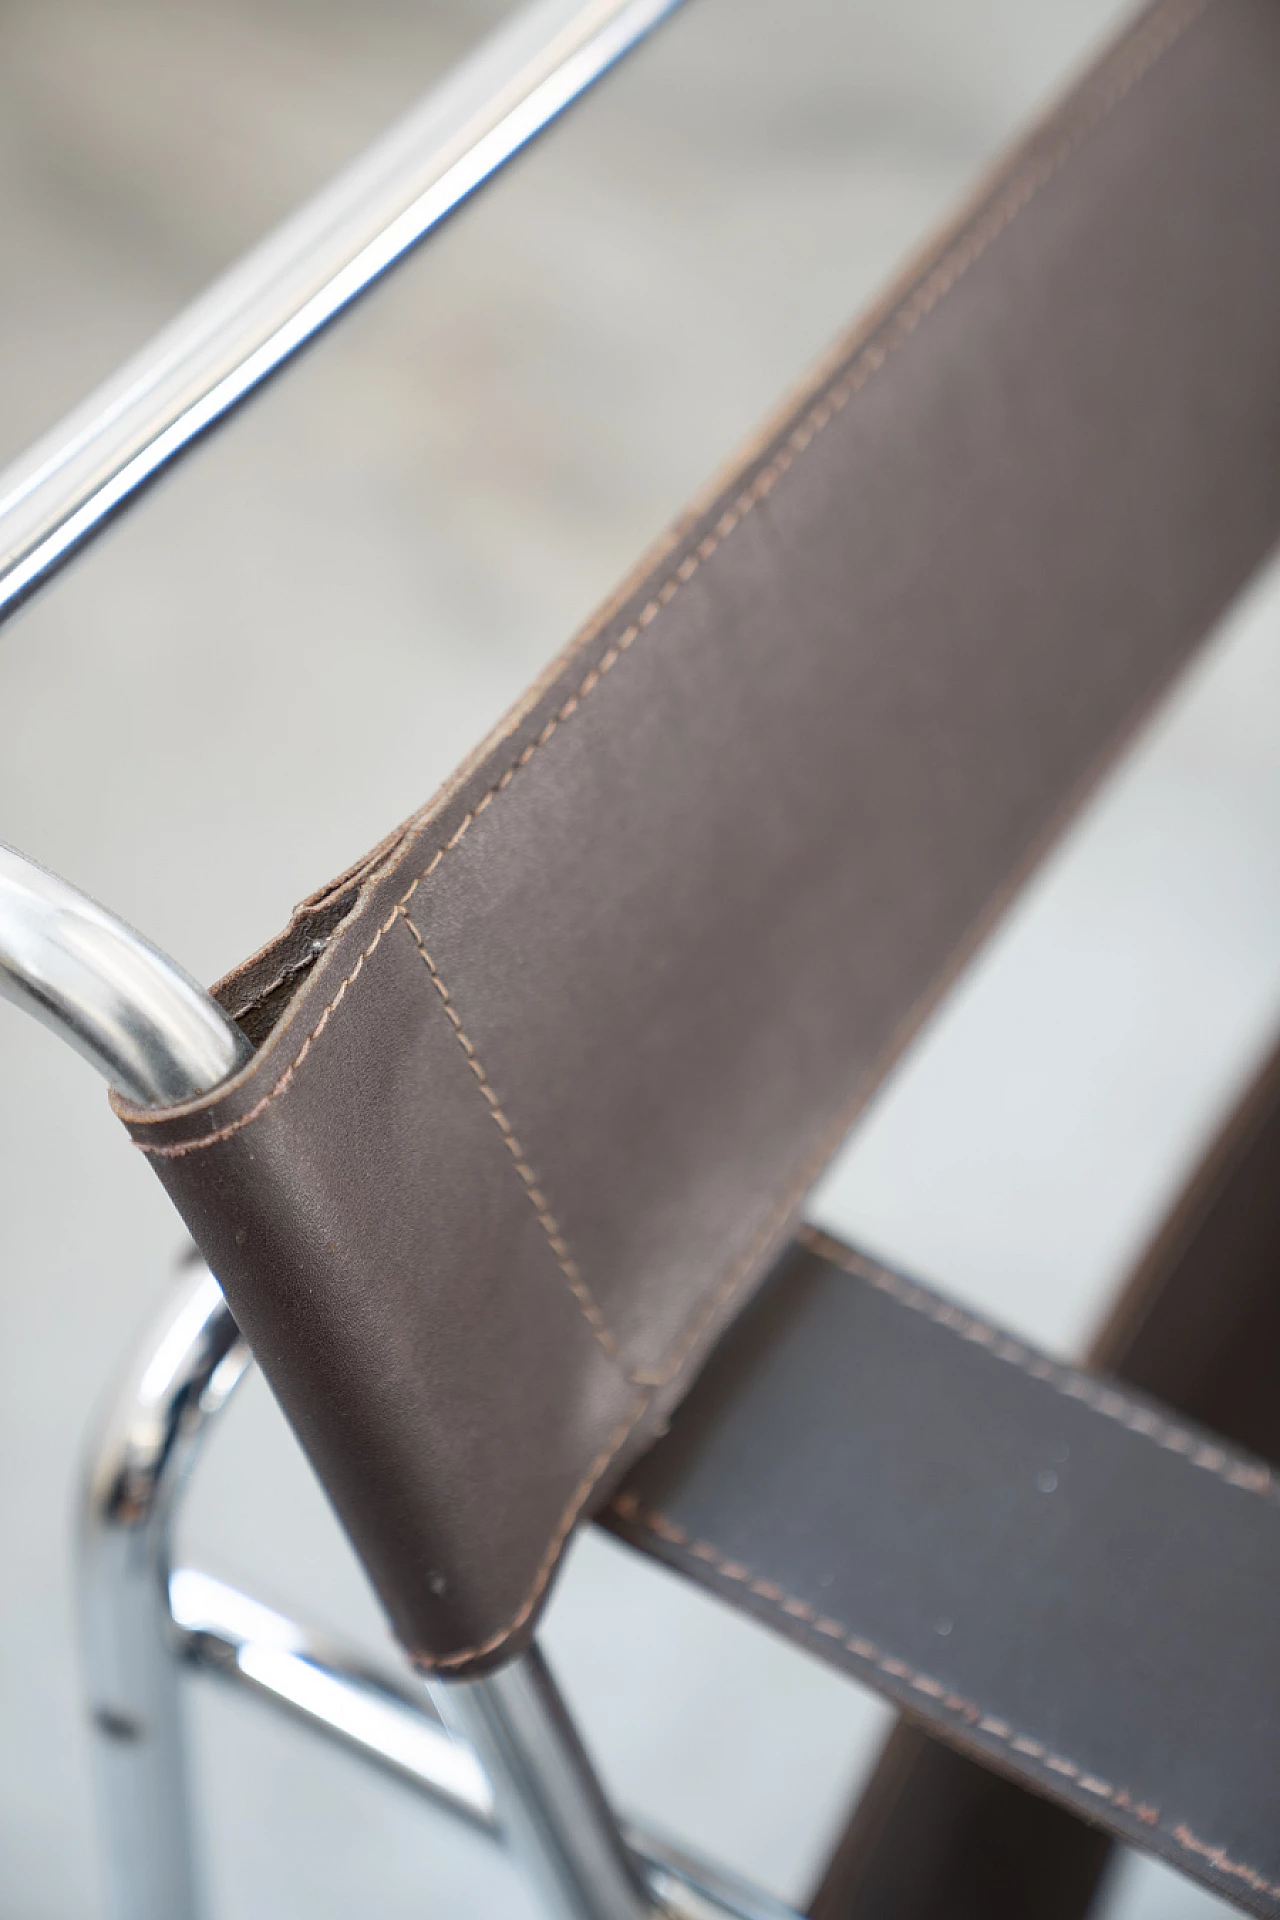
[144, 1620]
[158, 1038]
[154, 1034]
[145, 1025]
[251, 321]
[185, 1371]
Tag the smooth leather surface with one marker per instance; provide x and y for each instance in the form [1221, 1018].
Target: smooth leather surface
[1051, 1572]
[1198, 1326]
[540, 1088]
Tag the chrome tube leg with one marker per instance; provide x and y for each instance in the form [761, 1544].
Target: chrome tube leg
[550, 1806]
[137, 1637]
[189, 1367]
[140, 1759]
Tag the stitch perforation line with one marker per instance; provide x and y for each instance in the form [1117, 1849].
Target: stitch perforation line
[447, 1663]
[867, 1653]
[962, 255]
[537, 1199]
[1098, 1395]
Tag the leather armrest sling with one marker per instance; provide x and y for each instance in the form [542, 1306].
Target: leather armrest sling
[1197, 1325]
[540, 1086]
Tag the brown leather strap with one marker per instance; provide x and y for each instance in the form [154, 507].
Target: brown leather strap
[1198, 1325]
[1052, 1573]
[938, 1836]
[541, 1086]
[1200, 1322]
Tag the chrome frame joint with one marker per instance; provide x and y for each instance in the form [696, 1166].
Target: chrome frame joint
[500, 1753]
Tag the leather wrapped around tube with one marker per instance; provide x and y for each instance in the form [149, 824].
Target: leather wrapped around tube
[541, 1086]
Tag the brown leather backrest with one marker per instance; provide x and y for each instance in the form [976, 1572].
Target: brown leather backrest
[541, 1086]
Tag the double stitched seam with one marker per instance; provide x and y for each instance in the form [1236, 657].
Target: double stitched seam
[546, 1219]
[865, 364]
[432, 1663]
[1094, 1394]
[639, 1520]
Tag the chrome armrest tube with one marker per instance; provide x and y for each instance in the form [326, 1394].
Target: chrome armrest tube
[280, 295]
[149, 1029]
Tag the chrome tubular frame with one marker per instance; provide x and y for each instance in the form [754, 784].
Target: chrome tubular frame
[154, 1034]
[145, 1025]
[188, 1368]
[508, 1759]
[500, 1753]
[257, 316]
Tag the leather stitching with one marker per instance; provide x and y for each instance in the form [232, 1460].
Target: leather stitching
[1101, 1399]
[547, 1220]
[1219, 1858]
[641, 1520]
[1091, 1392]
[866, 363]
[963, 254]
[177, 1150]
[432, 1663]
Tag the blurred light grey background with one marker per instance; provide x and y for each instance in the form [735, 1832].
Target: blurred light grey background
[286, 648]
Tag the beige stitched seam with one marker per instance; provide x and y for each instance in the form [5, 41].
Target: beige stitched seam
[639, 1519]
[430, 1663]
[1219, 1857]
[546, 1219]
[1100, 1397]
[866, 363]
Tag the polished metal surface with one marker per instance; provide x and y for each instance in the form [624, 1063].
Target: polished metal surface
[144, 1621]
[386, 1717]
[149, 1029]
[186, 1370]
[686, 1887]
[155, 1035]
[550, 1804]
[519, 1771]
[255, 318]
[383, 1715]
